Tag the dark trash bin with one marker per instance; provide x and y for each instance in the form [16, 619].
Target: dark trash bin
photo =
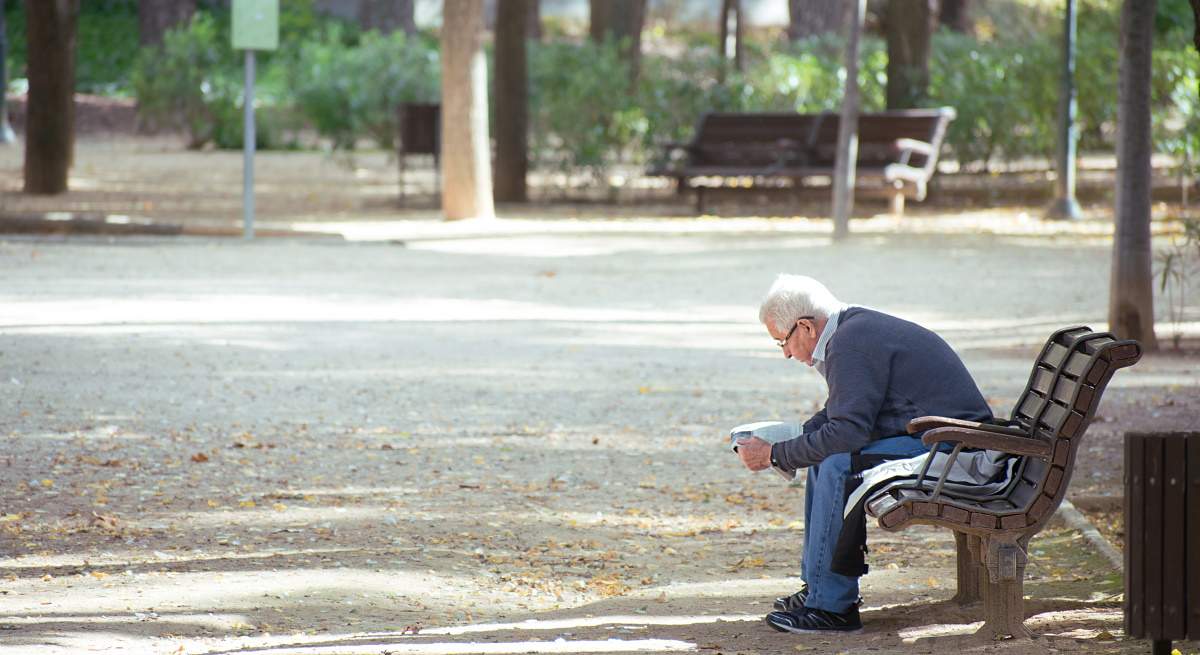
[1162, 537]
[420, 133]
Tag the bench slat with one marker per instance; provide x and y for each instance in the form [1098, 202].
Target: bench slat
[1153, 511]
[1174, 517]
[1135, 503]
[1192, 530]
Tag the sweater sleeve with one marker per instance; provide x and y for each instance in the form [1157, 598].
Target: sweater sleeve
[858, 383]
[817, 420]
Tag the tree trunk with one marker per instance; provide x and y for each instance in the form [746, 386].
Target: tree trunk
[155, 17]
[6, 133]
[956, 15]
[534, 30]
[813, 18]
[845, 163]
[512, 98]
[387, 16]
[1196, 32]
[466, 152]
[909, 25]
[1131, 294]
[620, 20]
[50, 111]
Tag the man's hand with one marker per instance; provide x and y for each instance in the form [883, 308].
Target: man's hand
[755, 453]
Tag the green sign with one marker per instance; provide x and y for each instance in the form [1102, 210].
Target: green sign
[255, 24]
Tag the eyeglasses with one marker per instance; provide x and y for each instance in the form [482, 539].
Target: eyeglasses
[783, 342]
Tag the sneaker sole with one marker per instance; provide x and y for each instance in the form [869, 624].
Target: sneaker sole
[801, 631]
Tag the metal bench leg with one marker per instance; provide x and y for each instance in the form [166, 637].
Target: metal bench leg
[968, 569]
[897, 201]
[1004, 607]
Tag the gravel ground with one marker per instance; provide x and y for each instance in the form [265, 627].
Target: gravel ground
[345, 447]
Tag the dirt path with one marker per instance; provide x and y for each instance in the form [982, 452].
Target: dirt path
[293, 446]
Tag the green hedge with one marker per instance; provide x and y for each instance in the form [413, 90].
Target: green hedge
[348, 93]
[586, 114]
[107, 42]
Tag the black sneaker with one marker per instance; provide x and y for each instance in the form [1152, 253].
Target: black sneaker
[811, 619]
[795, 602]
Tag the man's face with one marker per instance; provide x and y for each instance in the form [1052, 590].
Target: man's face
[801, 341]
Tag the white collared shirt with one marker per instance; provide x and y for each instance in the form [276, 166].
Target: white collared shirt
[818, 355]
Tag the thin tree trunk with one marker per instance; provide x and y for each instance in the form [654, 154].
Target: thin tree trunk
[466, 154]
[534, 30]
[1196, 32]
[50, 111]
[956, 15]
[813, 18]
[155, 17]
[1131, 294]
[512, 98]
[622, 21]
[909, 25]
[846, 159]
[387, 16]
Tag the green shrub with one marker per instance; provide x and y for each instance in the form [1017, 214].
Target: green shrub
[1005, 95]
[106, 42]
[582, 114]
[674, 93]
[807, 77]
[351, 92]
[193, 82]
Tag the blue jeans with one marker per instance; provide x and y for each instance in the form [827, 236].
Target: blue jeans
[824, 502]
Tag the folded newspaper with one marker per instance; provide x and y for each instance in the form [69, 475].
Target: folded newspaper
[770, 432]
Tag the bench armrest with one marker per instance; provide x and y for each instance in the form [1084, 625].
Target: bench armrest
[923, 423]
[1015, 444]
[913, 145]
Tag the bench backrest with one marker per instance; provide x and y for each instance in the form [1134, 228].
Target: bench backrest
[758, 138]
[1058, 403]
[751, 139]
[878, 133]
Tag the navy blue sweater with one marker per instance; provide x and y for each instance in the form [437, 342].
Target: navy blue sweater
[882, 372]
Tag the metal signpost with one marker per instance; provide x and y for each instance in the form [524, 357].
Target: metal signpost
[255, 27]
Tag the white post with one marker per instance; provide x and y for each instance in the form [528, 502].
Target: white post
[248, 138]
[845, 163]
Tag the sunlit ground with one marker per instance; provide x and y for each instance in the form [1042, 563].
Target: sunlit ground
[494, 437]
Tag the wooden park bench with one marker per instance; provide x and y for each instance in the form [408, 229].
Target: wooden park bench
[992, 530]
[897, 152]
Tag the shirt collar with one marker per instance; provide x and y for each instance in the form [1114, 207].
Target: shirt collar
[831, 325]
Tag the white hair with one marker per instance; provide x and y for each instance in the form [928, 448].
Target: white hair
[793, 296]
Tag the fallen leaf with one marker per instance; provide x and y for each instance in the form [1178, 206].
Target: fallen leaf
[199, 458]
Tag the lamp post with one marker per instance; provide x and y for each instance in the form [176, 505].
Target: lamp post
[1065, 206]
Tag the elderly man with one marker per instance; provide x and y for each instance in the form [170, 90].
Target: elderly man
[882, 372]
